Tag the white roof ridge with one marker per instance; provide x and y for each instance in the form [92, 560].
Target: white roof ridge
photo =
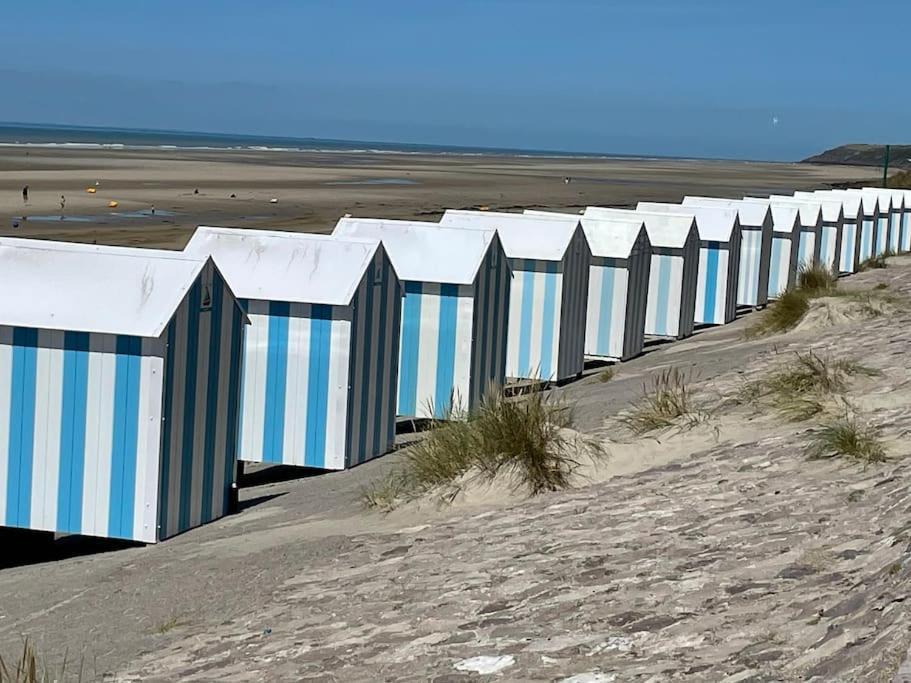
[103, 291]
[715, 224]
[412, 246]
[664, 230]
[522, 236]
[751, 214]
[295, 267]
[608, 237]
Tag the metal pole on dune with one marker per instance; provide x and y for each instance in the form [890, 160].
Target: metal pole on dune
[886, 167]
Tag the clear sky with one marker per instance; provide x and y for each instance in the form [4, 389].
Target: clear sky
[759, 79]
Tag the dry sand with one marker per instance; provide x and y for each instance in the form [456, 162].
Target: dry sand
[315, 189]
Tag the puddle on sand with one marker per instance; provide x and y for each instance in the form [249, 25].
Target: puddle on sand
[374, 181]
[98, 218]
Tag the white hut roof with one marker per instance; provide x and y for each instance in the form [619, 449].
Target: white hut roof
[522, 236]
[286, 266]
[898, 198]
[785, 215]
[667, 230]
[810, 209]
[84, 290]
[850, 200]
[751, 213]
[86, 248]
[832, 207]
[714, 223]
[887, 196]
[422, 251]
[871, 199]
[607, 237]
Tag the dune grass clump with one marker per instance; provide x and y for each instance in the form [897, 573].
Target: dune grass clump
[606, 375]
[28, 669]
[521, 438]
[873, 263]
[667, 401]
[847, 437]
[814, 280]
[798, 390]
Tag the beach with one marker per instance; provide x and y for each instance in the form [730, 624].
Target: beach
[230, 187]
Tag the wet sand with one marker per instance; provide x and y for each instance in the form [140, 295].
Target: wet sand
[189, 187]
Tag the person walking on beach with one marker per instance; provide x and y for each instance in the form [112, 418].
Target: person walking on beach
[25, 194]
[62, 205]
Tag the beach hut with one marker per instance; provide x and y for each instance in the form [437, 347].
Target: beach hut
[810, 216]
[786, 233]
[869, 204]
[853, 218]
[670, 311]
[119, 385]
[617, 285]
[454, 313]
[719, 260]
[895, 200]
[548, 296]
[320, 359]
[905, 227]
[895, 220]
[755, 246]
[881, 221]
[833, 222]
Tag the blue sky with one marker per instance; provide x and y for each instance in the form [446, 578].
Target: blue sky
[670, 77]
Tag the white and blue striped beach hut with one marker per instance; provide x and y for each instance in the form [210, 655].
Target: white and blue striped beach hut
[454, 314]
[547, 302]
[852, 220]
[673, 272]
[617, 285]
[905, 225]
[869, 204]
[898, 212]
[810, 216]
[878, 214]
[719, 260]
[119, 385]
[320, 359]
[785, 245]
[895, 201]
[755, 246]
[831, 237]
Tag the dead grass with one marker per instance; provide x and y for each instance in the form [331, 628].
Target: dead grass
[606, 375]
[781, 315]
[815, 279]
[523, 439]
[847, 437]
[873, 263]
[667, 401]
[29, 669]
[798, 390]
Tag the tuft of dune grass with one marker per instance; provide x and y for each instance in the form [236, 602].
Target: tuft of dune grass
[523, 439]
[798, 390]
[847, 437]
[667, 401]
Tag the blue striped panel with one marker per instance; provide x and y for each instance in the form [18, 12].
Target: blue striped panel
[866, 240]
[123, 441]
[847, 248]
[276, 382]
[208, 455]
[905, 242]
[500, 319]
[410, 347]
[235, 391]
[72, 431]
[775, 265]
[384, 359]
[664, 289]
[883, 235]
[318, 385]
[528, 307]
[711, 283]
[446, 350]
[547, 324]
[802, 248]
[605, 312]
[164, 477]
[824, 245]
[21, 427]
[189, 407]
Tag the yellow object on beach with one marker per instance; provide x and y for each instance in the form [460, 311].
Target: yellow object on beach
[90, 190]
[112, 204]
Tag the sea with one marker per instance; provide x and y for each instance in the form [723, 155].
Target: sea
[89, 137]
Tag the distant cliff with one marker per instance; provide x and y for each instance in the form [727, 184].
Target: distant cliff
[864, 155]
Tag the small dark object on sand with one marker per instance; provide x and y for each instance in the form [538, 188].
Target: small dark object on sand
[15, 224]
[196, 191]
[233, 196]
